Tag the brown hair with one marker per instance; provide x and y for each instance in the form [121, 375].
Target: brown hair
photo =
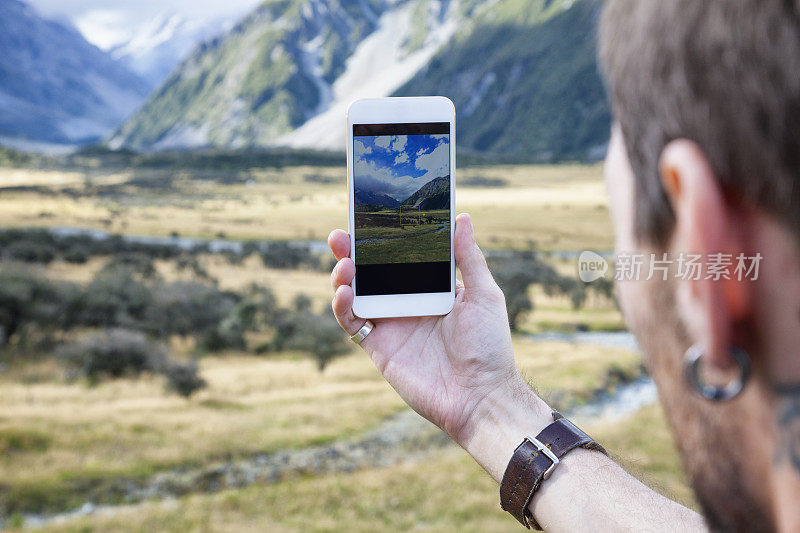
[723, 73]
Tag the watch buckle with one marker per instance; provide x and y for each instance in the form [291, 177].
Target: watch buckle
[548, 453]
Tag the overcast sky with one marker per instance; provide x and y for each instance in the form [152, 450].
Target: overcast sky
[109, 22]
[398, 165]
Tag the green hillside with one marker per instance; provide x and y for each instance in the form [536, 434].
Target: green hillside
[522, 74]
[524, 81]
[433, 195]
[247, 87]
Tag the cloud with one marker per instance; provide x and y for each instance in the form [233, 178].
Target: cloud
[360, 149]
[370, 176]
[399, 143]
[435, 163]
[393, 166]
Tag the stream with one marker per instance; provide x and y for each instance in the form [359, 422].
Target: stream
[403, 438]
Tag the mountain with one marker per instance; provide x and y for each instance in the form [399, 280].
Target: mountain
[285, 74]
[375, 198]
[54, 86]
[433, 195]
[525, 87]
[522, 74]
[161, 43]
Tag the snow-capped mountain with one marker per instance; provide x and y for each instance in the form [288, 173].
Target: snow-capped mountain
[522, 74]
[55, 87]
[156, 47]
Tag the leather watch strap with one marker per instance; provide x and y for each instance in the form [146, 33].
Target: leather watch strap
[533, 462]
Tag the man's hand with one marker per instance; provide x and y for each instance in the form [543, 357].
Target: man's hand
[447, 368]
[458, 371]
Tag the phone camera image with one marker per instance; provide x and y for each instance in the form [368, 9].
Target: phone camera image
[401, 185]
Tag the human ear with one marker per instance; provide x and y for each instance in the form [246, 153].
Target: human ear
[706, 222]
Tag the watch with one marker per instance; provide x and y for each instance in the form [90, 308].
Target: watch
[533, 462]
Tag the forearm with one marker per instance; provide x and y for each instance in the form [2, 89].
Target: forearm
[587, 491]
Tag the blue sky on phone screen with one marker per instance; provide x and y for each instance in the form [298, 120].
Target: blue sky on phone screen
[398, 165]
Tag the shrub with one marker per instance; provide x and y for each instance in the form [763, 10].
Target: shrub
[31, 252]
[286, 255]
[113, 353]
[134, 262]
[27, 299]
[183, 378]
[229, 334]
[516, 273]
[77, 253]
[188, 308]
[317, 334]
[116, 298]
[514, 277]
[116, 353]
[257, 309]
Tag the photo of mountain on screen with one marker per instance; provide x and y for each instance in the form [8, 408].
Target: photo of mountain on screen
[402, 198]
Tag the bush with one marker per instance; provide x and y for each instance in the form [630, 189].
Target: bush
[515, 274]
[228, 335]
[257, 309]
[286, 255]
[116, 353]
[133, 262]
[317, 334]
[183, 378]
[116, 298]
[77, 254]
[30, 252]
[29, 300]
[188, 308]
[113, 353]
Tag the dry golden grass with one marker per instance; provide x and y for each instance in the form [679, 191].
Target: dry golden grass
[444, 492]
[557, 207]
[252, 404]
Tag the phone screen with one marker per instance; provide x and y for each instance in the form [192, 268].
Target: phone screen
[401, 182]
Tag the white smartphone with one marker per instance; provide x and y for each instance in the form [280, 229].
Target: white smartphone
[400, 175]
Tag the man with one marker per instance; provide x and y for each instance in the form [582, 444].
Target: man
[704, 158]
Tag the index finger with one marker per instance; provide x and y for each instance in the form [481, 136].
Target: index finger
[339, 243]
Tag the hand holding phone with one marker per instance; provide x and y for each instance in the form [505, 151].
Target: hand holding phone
[450, 368]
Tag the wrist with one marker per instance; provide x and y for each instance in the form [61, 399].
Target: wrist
[500, 421]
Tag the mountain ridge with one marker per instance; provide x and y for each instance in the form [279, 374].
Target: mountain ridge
[375, 198]
[433, 195]
[522, 74]
[56, 87]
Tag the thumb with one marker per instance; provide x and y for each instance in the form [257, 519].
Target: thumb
[469, 257]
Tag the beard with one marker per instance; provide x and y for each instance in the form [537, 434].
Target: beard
[724, 461]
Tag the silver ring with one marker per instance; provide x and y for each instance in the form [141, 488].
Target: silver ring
[691, 362]
[361, 334]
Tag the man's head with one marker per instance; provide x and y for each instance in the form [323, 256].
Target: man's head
[705, 158]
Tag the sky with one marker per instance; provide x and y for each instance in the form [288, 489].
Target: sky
[106, 23]
[398, 165]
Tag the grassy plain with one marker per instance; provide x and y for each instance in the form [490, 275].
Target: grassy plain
[443, 492]
[554, 207]
[55, 435]
[57, 438]
[382, 238]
